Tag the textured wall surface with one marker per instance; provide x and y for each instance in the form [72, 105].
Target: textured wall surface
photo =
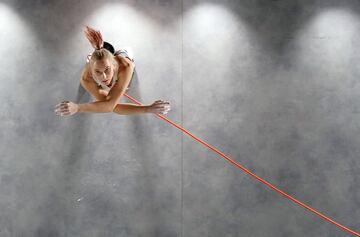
[273, 84]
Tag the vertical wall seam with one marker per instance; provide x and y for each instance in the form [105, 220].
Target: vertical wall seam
[182, 118]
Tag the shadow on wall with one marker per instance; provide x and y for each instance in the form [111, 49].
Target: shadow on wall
[143, 187]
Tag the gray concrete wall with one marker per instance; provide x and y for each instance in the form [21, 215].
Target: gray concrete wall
[273, 84]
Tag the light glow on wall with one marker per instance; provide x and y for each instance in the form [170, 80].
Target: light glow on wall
[327, 37]
[15, 39]
[221, 39]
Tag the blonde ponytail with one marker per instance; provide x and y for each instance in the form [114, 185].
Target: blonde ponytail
[94, 37]
[96, 40]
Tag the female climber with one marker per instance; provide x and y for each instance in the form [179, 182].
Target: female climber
[106, 76]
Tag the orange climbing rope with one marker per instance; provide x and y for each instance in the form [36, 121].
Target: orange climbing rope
[252, 174]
